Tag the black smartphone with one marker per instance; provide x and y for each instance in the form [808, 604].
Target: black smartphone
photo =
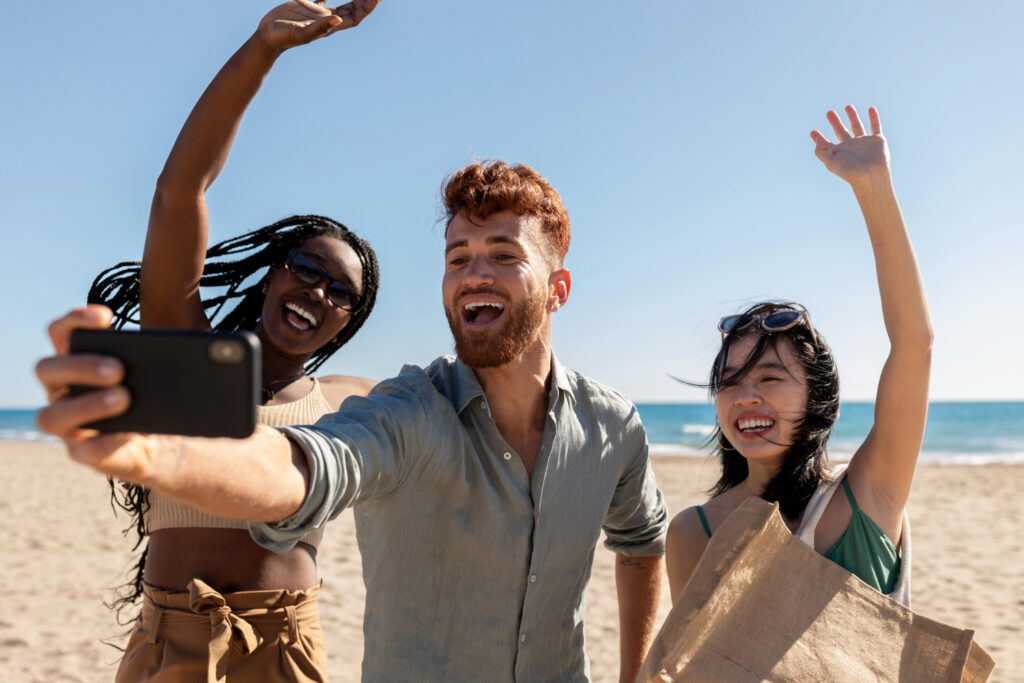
[181, 382]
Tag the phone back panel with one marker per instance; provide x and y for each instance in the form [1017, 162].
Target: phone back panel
[176, 384]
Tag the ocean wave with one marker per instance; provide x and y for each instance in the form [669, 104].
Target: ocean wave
[703, 430]
[25, 435]
[844, 455]
[953, 458]
[677, 449]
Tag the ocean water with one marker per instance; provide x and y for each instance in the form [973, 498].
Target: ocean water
[958, 433]
[971, 433]
[20, 425]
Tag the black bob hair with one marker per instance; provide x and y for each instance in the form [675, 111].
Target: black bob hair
[804, 466]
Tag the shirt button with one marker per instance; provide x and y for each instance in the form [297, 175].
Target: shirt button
[533, 578]
[522, 638]
[507, 456]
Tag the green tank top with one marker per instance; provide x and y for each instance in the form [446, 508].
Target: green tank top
[863, 550]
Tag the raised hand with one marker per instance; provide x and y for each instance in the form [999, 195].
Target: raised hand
[298, 22]
[857, 156]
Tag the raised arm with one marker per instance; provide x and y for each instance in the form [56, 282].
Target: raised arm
[882, 469]
[172, 262]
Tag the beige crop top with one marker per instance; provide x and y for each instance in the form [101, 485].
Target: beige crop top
[170, 513]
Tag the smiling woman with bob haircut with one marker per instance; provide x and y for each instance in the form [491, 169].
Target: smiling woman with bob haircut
[776, 392]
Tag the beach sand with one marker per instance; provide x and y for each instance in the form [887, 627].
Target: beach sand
[63, 550]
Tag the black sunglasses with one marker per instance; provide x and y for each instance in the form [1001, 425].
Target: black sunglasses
[309, 273]
[776, 320]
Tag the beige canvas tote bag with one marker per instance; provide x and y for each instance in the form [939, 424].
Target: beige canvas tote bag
[762, 605]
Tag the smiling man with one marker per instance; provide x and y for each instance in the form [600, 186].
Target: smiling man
[481, 483]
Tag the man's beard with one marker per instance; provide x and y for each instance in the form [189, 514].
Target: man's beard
[502, 344]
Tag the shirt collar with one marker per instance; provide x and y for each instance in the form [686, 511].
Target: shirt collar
[467, 387]
[560, 383]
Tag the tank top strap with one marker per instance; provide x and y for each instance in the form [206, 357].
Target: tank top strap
[849, 494]
[703, 520]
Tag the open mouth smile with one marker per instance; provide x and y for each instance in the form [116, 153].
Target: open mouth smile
[754, 425]
[299, 318]
[482, 313]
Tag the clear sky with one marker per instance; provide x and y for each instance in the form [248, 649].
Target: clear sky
[676, 132]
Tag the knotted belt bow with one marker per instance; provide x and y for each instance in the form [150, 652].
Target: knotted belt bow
[227, 629]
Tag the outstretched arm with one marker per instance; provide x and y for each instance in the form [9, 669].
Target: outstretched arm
[175, 249]
[300, 480]
[202, 472]
[882, 470]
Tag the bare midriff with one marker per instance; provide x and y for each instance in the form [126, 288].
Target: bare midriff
[226, 559]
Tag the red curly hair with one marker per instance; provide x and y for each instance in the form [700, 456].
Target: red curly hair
[490, 187]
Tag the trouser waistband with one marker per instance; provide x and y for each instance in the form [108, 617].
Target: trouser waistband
[230, 616]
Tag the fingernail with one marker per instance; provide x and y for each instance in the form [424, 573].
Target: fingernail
[107, 369]
[115, 397]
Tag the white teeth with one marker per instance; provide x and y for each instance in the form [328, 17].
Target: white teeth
[480, 304]
[302, 313]
[754, 423]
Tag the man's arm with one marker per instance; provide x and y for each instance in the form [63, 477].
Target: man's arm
[638, 582]
[298, 481]
[263, 477]
[635, 531]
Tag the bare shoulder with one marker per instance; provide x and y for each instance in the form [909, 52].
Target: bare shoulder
[337, 388]
[686, 528]
[684, 545]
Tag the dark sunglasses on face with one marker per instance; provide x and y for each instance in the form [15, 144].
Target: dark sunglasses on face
[309, 273]
[776, 320]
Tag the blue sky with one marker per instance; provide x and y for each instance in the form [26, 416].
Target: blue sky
[676, 132]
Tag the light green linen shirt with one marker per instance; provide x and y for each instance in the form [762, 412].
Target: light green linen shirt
[473, 571]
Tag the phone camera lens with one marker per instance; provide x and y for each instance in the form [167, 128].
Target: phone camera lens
[226, 351]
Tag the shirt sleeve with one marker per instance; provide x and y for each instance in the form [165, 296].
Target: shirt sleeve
[637, 519]
[353, 455]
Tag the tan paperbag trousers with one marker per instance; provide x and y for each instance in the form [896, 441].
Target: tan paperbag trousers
[266, 636]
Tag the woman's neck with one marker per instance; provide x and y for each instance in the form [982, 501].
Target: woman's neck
[283, 374]
[278, 366]
[759, 474]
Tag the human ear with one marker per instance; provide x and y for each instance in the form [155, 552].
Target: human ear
[268, 277]
[559, 284]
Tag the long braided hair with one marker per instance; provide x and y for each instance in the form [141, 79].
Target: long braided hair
[238, 281]
[805, 463]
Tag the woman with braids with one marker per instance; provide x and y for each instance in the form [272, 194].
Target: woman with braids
[776, 392]
[214, 603]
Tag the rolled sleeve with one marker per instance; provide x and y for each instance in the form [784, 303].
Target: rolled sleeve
[637, 519]
[352, 455]
[327, 473]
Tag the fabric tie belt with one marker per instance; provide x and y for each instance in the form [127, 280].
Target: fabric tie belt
[231, 625]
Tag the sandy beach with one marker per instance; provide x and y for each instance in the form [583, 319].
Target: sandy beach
[64, 551]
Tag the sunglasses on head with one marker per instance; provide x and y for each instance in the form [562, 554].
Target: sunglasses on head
[774, 320]
[306, 271]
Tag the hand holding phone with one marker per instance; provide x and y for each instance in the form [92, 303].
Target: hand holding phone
[181, 382]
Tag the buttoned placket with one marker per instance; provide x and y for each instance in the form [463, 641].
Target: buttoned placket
[529, 488]
[508, 456]
[537, 494]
